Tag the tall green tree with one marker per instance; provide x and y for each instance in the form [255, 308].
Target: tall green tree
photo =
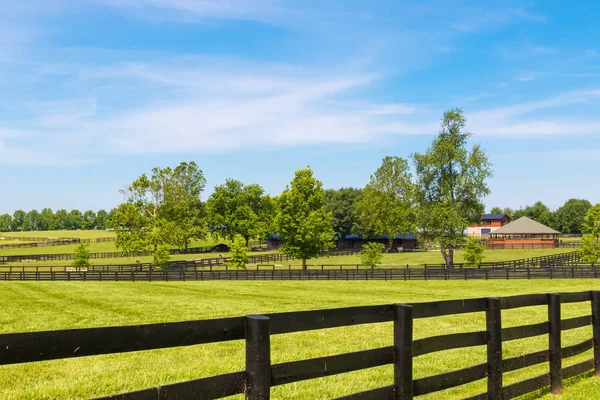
[18, 221]
[387, 203]
[74, 219]
[538, 212]
[509, 212]
[569, 218]
[451, 181]
[589, 250]
[47, 220]
[101, 217]
[303, 224]
[238, 209]
[342, 203]
[162, 209]
[88, 220]
[62, 220]
[32, 221]
[5, 222]
[496, 210]
[591, 222]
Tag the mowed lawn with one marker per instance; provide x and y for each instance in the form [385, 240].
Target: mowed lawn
[35, 306]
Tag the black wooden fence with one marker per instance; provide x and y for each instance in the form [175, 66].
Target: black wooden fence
[260, 375]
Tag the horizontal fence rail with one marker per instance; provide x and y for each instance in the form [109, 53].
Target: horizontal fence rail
[259, 375]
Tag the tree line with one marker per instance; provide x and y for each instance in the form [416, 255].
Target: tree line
[47, 220]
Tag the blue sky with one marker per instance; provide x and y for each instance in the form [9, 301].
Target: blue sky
[94, 93]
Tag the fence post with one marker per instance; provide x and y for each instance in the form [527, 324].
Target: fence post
[596, 329]
[258, 358]
[403, 333]
[494, 347]
[555, 345]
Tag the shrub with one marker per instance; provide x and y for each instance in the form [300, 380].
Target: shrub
[82, 256]
[473, 251]
[239, 253]
[372, 254]
[162, 257]
[589, 249]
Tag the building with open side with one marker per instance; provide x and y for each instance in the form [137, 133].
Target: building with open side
[524, 233]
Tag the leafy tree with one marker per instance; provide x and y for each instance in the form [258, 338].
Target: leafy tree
[163, 209]
[569, 218]
[101, 218]
[32, 221]
[5, 222]
[591, 222]
[239, 253]
[509, 212]
[474, 251]
[62, 220]
[589, 250]
[162, 257]
[18, 221]
[342, 204]
[372, 254]
[451, 184]
[74, 219]
[88, 220]
[238, 209]
[538, 212]
[386, 206]
[303, 225]
[47, 220]
[82, 256]
[496, 210]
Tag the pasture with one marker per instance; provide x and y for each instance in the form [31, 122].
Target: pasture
[35, 306]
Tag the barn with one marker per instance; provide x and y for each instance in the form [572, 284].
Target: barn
[524, 233]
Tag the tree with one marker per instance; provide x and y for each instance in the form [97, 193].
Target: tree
[239, 253]
[74, 219]
[163, 209]
[47, 220]
[62, 219]
[451, 184]
[304, 227]
[88, 220]
[101, 217]
[5, 222]
[538, 212]
[509, 212]
[32, 221]
[342, 204]
[372, 254]
[387, 203]
[18, 221]
[569, 218]
[474, 251]
[161, 257]
[82, 256]
[589, 250]
[496, 210]
[591, 222]
[238, 209]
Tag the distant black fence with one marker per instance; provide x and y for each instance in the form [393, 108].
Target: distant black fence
[47, 241]
[260, 375]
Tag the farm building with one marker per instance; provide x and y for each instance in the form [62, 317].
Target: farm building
[524, 233]
[489, 223]
[402, 242]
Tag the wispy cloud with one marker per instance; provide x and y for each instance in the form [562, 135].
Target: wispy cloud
[477, 19]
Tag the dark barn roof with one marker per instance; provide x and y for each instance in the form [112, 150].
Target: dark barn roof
[493, 217]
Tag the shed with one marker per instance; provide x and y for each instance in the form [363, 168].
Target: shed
[524, 233]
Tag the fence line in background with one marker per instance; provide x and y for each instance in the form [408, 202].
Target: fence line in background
[260, 375]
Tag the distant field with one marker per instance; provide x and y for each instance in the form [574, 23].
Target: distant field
[34, 306]
[83, 234]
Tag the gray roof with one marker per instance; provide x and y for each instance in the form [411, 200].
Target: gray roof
[525, 225]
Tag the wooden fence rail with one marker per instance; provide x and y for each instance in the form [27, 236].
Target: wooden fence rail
[260, 375]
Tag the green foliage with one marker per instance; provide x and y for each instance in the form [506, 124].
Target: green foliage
[161, 257]
[47, 220]
[88, 220]
[239, 253]
[5, 222]
[101, 218]
[82, 256]
[538, 212]
[387, 203]
[496, 210]
[238, 209]
[372, 254]
[589, 250]
[591, 223]
[303, 224]
[75, 219]
[163, 209]
[62, 219]
[474, 251]
[18, 221]
[451, 184]
[342, 204]
[570, 217]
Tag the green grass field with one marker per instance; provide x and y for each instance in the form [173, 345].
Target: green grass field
[83, 234]
[34, 306]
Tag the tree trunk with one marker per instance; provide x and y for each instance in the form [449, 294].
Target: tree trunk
[448, 256]
[247, 241]
[390, 242]
[304, 268]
